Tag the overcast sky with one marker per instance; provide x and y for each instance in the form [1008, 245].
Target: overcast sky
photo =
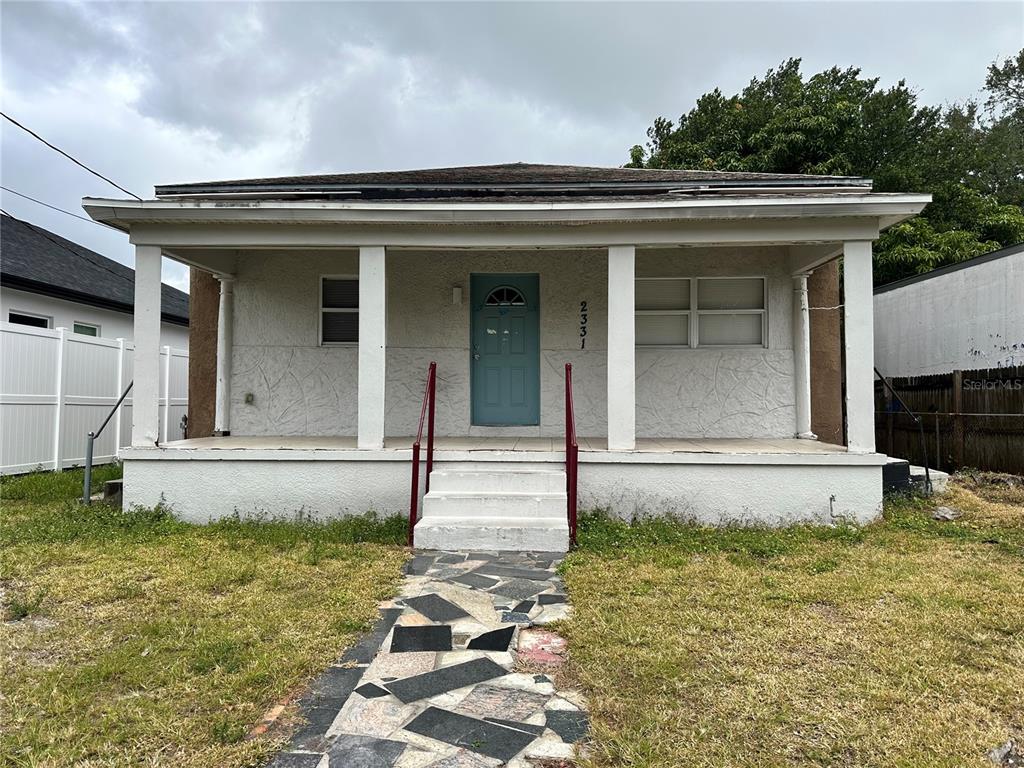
[154, 93]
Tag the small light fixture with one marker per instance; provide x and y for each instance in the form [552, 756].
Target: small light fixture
[456, 295]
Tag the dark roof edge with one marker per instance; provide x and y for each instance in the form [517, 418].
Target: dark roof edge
[56, 292]
[1009, 250]
[836, 181]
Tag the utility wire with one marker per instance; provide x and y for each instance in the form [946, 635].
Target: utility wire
[69, 157]
[55, 208]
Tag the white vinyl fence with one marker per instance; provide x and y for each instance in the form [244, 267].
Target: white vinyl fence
[57, 386]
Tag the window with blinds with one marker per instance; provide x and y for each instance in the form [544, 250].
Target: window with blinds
[339, 310]
[701, 312]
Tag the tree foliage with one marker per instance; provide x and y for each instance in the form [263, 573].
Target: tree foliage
[968, 156]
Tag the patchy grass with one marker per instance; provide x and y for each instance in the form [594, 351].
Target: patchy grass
[136, 639]
[896, 644]
[44, 487]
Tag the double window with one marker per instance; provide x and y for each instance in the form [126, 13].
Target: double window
[339, 310]
[701, 312]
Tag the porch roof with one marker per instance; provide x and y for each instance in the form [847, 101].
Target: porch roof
[509, 180]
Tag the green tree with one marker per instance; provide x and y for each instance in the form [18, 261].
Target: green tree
[838, 122]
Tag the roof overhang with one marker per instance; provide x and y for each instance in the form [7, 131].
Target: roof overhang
[887, 209]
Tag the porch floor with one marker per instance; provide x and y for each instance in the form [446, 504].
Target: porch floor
[531, 444]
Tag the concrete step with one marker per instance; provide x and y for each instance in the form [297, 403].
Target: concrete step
[503, 504]
[502, 534]
[497, 479]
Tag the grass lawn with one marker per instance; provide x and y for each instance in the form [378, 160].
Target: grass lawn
[135, 639]
[898, 644]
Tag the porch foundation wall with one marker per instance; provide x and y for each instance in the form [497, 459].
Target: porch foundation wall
[761, 493]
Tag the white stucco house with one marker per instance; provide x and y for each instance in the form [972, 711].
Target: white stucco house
[678, 298]
[963, 316]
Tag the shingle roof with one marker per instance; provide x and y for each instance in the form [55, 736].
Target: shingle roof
[512, 179]
[34, 259]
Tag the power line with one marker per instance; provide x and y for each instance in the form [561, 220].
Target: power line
[55, 208]
[69, 157]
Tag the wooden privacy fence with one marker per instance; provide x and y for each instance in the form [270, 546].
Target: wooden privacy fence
[971, 419]
[56, 386]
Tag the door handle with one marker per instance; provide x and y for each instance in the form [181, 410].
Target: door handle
[476, 356]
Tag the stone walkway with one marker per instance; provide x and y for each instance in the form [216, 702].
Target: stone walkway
[454, 674]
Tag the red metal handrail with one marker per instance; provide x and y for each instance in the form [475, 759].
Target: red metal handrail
[572, 454]
[426, 412]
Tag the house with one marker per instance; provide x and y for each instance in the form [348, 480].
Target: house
[961, 317]
[47, 281]
[678, 298]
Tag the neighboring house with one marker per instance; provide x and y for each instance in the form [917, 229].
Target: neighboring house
[47, 281]
[961, 317]
[679, 298]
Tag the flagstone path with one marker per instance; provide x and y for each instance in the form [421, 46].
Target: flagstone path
[457, 673]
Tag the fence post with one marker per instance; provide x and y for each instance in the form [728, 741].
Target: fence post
[117, 394]
[167, 394]
[58, 417]
[958, 419]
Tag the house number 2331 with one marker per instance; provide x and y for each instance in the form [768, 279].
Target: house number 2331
[583, 325]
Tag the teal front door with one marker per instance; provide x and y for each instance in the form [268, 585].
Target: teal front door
[505, 349]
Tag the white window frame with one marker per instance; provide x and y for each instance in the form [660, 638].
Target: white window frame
[320, 314]
[694, 312]
[47, 318]
[691, 282]
[94, 326]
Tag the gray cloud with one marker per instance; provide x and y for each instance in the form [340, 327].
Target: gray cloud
[162, 92]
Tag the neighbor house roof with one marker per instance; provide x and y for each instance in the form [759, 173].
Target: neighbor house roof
[516, 181]
[37, 260]
[1002, 253]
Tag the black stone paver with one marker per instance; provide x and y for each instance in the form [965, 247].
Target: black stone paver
[512, 617]
[550, 599]
[491, 569]
[436, 637]
[495, 640]
[364, 751]
[519, 589]
[371, 691]
[524, 607]
[419, 565]
[485, 738]
[570, 725]
[475, 580]
[446, 679]
[436, 608]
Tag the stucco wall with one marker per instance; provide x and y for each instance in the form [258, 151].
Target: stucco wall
[298, 387]
[969, 318]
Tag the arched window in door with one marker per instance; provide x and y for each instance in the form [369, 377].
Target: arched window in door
[505, 296]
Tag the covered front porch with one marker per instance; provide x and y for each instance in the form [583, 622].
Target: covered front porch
[686, 322]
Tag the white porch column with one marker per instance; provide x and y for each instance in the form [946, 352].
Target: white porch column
[802, 357]
[621, 349]
[372, 326]
[146, 361]
[858, 329]
[225, 348]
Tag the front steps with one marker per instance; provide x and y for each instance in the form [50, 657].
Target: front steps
[495, 507]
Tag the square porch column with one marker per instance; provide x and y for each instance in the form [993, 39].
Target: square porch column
[858, 328]
[146, 360]
[802, 357]
[621, 348]
[372, 340]
[225, 348]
